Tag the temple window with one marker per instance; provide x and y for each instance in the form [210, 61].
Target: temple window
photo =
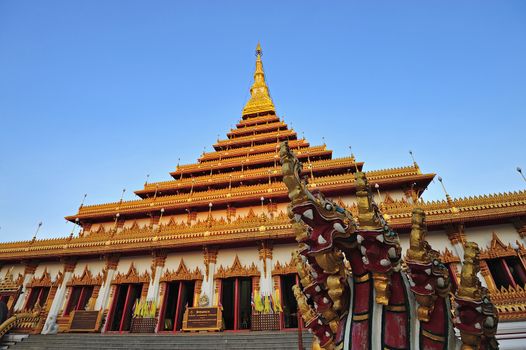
[37, 296]
[79, 298]
[506, 272]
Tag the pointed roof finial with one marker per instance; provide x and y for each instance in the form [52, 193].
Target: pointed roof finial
[414, 162]
[448, 197]
[260, 100]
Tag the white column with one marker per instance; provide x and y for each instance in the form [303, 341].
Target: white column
[28, 275]
[51, 326]
[209, 283]
[102, 298]
[265, 268]
[111, 262]
[265, 279]
[208, 287]
[158, 261]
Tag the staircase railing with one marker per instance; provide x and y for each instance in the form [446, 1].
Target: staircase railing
[17, 319]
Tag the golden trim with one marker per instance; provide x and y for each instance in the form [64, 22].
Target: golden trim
[396, 308]
[237, 270]
[432, 336]
[361, 317]
[362, 279]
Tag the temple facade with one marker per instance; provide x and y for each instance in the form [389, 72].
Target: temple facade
[218, 233]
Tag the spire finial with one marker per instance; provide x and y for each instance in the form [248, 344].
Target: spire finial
[448, 197]
[414, 161]
[260, 100]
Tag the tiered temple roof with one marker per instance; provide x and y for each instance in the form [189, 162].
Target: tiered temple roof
[495, 208]
[242, 169]
[245, 167]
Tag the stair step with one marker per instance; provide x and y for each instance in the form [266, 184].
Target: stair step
[178, 341]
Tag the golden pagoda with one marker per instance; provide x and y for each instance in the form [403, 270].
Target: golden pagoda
[218, 233]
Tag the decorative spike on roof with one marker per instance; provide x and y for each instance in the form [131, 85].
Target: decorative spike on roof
[260, 100]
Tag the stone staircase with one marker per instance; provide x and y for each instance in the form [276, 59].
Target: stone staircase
[185, 341]
[11, 339]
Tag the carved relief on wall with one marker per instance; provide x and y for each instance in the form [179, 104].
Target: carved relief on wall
[45, 280]
[29, 267]
[209, 257]
[20, 280]
[86, 279]
[237, 270]
[456, 233]
[284, 269]
[132, 276]
[497, 249]
[8, 284]
[510, 303]
[158, 260]
[265, 252]
[182, 274]
[448, 257]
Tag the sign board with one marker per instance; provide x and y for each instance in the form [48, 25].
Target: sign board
[202, 319]
[84, 321]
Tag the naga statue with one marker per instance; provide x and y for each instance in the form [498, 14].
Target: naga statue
[357, 291]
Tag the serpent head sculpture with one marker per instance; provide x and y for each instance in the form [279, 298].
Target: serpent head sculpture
[353, 291]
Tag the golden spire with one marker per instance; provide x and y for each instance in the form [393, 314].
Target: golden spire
[260, 100]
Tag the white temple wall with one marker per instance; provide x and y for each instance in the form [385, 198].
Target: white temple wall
[177, 218]
[404, 243]
[95, 266]
[482, 235]
[191, 259]
[282, 253]
[142, 263]
[246, 255]
[53, 268]
[438, 241]
[141, 222]
[397, 195]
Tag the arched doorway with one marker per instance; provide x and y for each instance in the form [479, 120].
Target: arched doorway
[179, 289]
[234, 290]
[127, 290]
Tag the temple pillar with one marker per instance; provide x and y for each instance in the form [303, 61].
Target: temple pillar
[109, 271]
[265, 267]
[207, 287]
[29, 272]
[158, 261]
[456, 236]
[51, 326]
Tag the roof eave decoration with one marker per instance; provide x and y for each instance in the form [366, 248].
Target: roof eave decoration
[260, 100]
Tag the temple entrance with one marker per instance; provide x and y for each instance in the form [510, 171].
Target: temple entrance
[178, 296]
[126, 296]
[236, 294]
[288, 301]
[37, 296]
[78, 299]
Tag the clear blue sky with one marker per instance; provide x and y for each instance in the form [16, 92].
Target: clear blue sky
[94, 95]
